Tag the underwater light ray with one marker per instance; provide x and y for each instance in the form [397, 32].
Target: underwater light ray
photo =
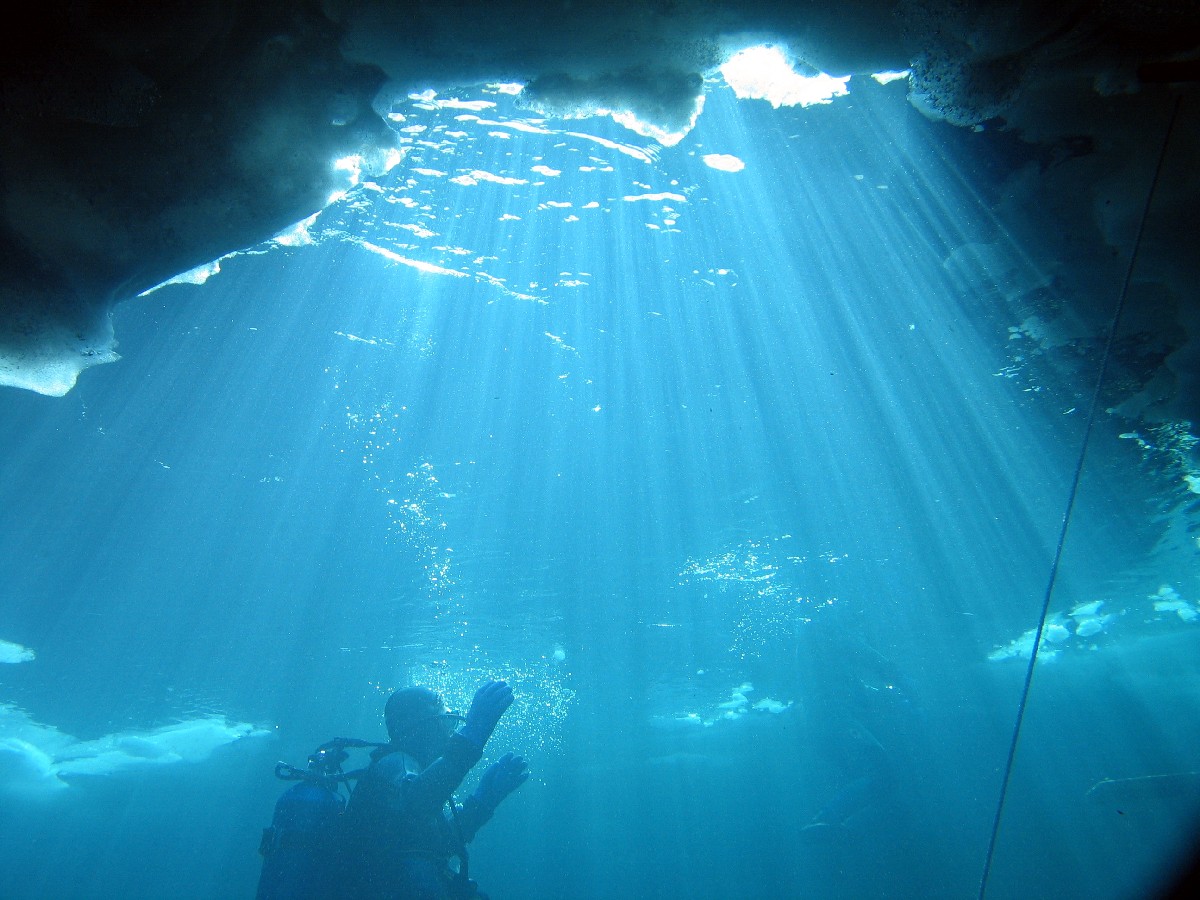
[860, 290]
[904, 314]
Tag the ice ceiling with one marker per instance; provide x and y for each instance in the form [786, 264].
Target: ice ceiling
[143, 140]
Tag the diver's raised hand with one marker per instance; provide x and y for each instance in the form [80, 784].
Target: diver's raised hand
[500, 779]
[489, 705]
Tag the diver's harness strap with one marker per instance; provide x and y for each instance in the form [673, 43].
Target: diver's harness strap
[462, 885]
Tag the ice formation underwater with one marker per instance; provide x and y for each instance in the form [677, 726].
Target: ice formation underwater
[143, 146]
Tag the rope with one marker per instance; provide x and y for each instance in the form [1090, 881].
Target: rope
[1070, 507]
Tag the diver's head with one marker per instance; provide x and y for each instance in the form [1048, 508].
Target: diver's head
[419, 723]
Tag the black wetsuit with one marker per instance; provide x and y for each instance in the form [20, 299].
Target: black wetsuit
[402, 830]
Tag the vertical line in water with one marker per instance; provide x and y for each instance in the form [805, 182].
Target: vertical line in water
[1066, 518]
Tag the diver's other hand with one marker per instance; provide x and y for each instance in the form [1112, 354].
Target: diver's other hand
[500, 779]
[489, 705]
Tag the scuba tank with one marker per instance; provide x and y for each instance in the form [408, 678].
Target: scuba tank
[300, 848]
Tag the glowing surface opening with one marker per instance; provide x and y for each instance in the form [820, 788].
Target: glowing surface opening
[764, 73]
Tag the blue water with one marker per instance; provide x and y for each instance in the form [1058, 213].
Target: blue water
[750, 482]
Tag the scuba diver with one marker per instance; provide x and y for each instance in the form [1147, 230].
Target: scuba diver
[402, 828]
[401, 835]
